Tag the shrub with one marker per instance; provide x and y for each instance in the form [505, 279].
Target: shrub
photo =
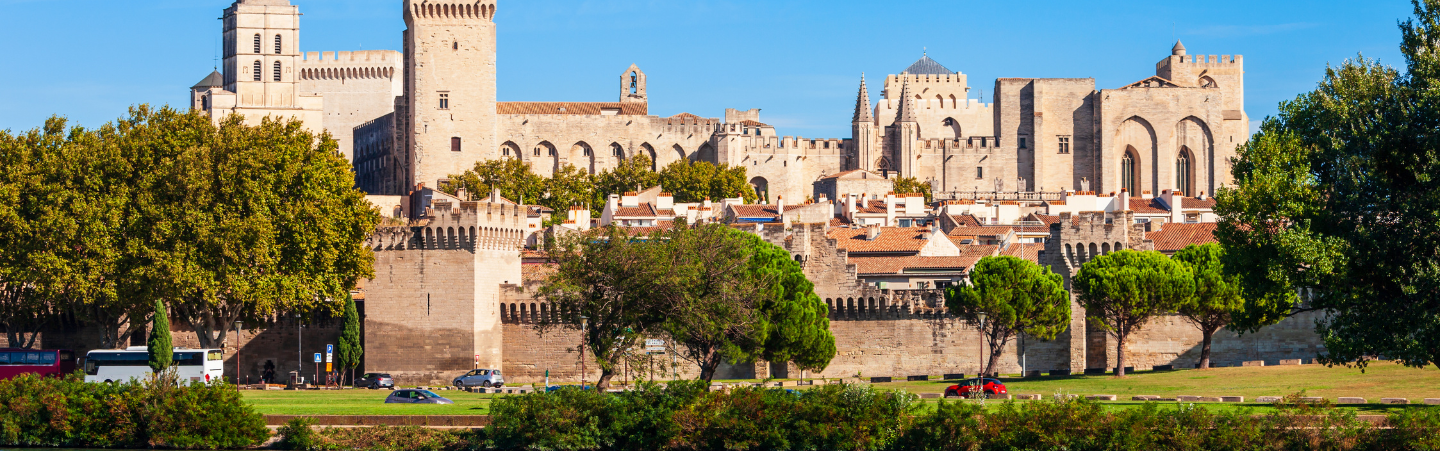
[298, 434]
[567, 419]
[68, 412]
[951, 427]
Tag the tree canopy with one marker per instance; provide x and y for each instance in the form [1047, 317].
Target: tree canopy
[1337, 196]
[912, 185]
[1123, 291]
[1017, 296]
[221, 222]
[1217, 293]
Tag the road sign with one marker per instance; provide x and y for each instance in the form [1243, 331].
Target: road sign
[328, 368]
[329, 349]
[317, 357]
[329, 357]
[654, 342]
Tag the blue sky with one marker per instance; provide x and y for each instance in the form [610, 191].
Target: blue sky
[798, 61]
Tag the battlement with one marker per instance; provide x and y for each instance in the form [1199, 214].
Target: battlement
[972, 144]
[372, 64]
[449, 12]
[937, 104]
[792, 145]
[1196, 62]
[469, 226]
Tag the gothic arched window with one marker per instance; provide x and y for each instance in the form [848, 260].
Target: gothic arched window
[257, 42]
[1127, 173]
[1182, 170]
[277, 71]
[277, 44]
[257, 70]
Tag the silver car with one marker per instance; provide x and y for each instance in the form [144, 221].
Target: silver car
[416, 397]
[480, 378]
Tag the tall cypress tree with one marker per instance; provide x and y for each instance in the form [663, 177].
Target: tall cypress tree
[348, 352]
[160, 347]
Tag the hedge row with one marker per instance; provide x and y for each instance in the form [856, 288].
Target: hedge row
[67, 412]
[685, 416]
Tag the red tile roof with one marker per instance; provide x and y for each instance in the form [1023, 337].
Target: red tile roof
[754, 123]
[898, 265]
[1146, 206]
[1190, 202]
[891, 239]
[761, 211]
[571, 108]
[1047, 219]
[981, 231]
[966, 220]
[1026, 251]
[1176, 236]
[644, 210]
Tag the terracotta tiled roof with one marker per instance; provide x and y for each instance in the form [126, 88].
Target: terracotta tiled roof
[1176, 236]
[979, 252]
[1047, 219]
[644, 210]
[891, 239]
[966, 220]
[761, 211]
[1026, 251]
[1146, 206]
[536, 273]
[754, 123]
[571, 108]
[838, 221]
[1190, 202]
[685, 116]
[871, 206]
[981, 230]
[898, 265]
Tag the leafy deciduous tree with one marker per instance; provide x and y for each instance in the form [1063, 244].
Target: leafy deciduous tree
[908, 185]
[1124, 290]
[711, 302]
[1016, 296]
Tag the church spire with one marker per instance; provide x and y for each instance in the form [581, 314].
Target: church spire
[862, 103]
[907, 104]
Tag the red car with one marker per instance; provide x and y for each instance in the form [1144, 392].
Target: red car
[989, 387]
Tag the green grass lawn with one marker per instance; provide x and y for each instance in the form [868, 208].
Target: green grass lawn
[1380, 380]
[359, 402]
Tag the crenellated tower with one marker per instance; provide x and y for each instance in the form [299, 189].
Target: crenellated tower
[862, 131]
[449, 87]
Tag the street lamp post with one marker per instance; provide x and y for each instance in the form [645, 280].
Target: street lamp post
[299, 348]
[237, 355]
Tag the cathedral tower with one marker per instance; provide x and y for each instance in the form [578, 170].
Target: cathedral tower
[907, 131]
[449, 87]
[260, 76]
[862, 131]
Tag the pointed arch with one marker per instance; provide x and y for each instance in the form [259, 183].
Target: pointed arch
[547, 159]
[1207, 82]
[582, 152]
[953, 127]
[510, 150]
[761, 188]
[706, 153]
[679, 152]
[1194, 134]
[1184, 173]
[1129, 172]
[647, 150]
[1137, 138]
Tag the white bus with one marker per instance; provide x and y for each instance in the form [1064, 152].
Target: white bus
[121, 365]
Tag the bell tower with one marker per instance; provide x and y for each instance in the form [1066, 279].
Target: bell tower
[262, 53]
[449, 87]
[632, 85]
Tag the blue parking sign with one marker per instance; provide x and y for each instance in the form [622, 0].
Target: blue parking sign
[317, 357]
[329, 349]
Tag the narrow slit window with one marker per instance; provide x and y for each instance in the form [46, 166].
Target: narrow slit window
[277, 44]
[980, 172]
[277, 71]
[257, 43]
[455, 144]
[258, 70]
[1023, 144]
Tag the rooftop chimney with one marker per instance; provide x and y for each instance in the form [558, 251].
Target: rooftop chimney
[495, 195]
[872, 232]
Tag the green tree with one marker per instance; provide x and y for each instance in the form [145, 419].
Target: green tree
[515, 179]
[1016, 296]
[1124, 290]
[1217, 293]
[603, 285]
[348, 350]
[159, 345]
[710, 299]
[909, 185]
[1354, 226]
[633, 174]
[248, 221]
[569, 187]
[696, 181]
[797, 321]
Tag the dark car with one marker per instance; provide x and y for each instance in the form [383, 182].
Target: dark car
[375, 380]
[987, 386]
[416, 397]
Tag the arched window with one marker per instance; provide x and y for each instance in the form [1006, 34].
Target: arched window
[277, 44]
[1127, 173]
[257, 70]
[277, 71]
[1182, 170]
[257, 42]
[205, 103]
